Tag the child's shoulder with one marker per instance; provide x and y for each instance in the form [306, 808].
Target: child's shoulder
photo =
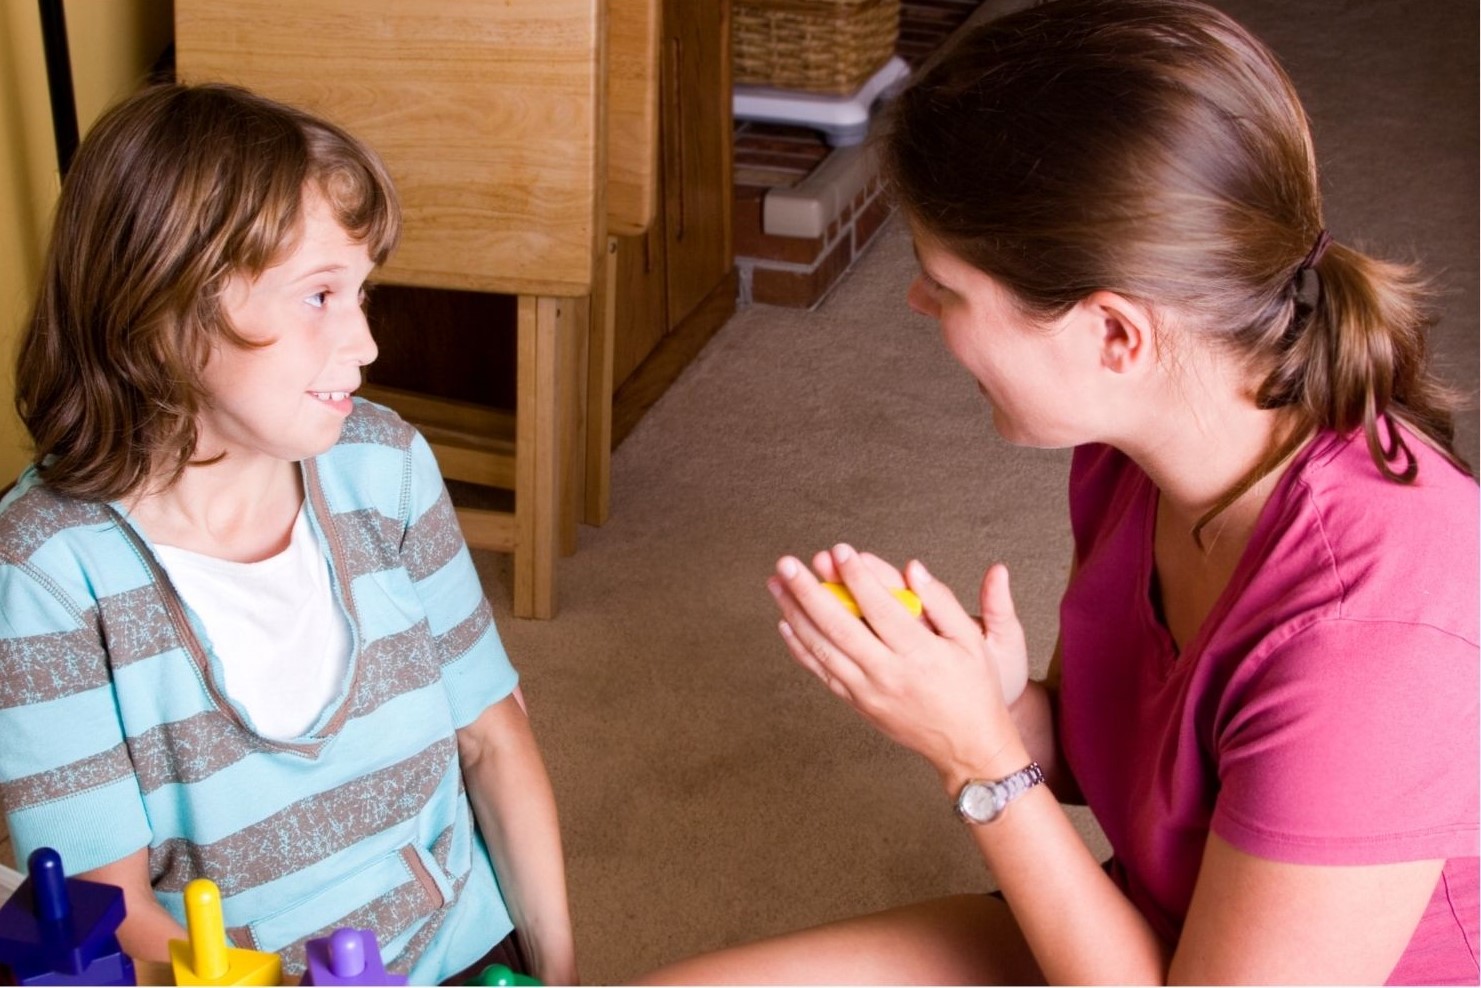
[373, 424]
[32, 514]
[378, 460]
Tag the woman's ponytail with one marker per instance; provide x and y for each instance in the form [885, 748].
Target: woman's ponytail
[1155, 148]
[1357, 359]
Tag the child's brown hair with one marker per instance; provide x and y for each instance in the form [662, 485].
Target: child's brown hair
[175, 190]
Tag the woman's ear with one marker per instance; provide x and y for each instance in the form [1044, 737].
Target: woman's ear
[1122, 330]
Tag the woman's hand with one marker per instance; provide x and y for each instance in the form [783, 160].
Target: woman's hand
[940, 686]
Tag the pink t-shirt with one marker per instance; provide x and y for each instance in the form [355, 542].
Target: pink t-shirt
[1325, 713]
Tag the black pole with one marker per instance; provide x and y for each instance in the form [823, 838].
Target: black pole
[59, 81]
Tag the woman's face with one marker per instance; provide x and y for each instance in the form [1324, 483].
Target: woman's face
[1038, 378]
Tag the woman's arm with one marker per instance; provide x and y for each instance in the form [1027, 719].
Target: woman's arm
[938, 688]
[147, 927]
[1251, 919]
[1081, 928]
[1036, 714]
[515, 808]
[1258, 921]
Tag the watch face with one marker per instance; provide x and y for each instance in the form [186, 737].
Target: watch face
[979, 802]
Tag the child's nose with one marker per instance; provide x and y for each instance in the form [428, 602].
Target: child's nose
[360, 347]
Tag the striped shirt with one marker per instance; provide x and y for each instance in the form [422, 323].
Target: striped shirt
[116, 733]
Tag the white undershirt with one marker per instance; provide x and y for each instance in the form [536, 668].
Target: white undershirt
[280, 636]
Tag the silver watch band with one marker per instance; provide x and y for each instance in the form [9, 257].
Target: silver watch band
[1021, 781]
[983, 801]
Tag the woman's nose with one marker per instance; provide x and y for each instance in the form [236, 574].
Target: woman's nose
[918, 297]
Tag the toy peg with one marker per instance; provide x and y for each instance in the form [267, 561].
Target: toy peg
[498, 974]
[207, 930]
[48, 886]
[908, 598]
[206, 959]
[347, 957]
[57, 930]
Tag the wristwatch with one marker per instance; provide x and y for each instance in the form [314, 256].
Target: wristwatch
[983, 801]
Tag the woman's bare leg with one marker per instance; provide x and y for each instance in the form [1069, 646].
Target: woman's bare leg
[965, 939]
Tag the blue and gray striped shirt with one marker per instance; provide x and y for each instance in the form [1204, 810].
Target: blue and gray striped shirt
[116, 733]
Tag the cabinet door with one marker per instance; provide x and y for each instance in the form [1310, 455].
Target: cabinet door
[642, 301]
[696, 126]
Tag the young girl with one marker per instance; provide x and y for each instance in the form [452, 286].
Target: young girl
[1266, 684]
[242, 637]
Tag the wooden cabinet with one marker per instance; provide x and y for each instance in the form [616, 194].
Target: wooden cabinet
[491, 117]
[519, 132]
[675, 285]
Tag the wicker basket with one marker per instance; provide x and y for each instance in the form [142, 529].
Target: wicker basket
[817, 46]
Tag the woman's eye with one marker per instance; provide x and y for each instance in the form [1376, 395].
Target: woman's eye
[317, 299]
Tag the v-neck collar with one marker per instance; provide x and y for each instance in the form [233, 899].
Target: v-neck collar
[317, 508]
[1169, 657]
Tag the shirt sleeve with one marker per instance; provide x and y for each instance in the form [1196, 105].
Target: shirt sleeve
[476, 671]
[64, 764]
[1353, 742]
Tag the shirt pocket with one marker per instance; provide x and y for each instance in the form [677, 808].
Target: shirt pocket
[389, 896]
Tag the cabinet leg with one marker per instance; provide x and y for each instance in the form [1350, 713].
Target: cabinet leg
[599, 388]
[536, 491]
[574, 340]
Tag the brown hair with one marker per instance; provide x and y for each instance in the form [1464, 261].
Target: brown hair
[176, 189]
[1156, 149]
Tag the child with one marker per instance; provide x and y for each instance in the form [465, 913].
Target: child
[242, 637]
[1267, 677]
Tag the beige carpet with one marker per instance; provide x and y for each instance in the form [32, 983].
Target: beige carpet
[710, 790]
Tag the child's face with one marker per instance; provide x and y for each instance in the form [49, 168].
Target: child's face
[288, 400]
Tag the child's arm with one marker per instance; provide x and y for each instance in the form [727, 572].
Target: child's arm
[147, 927]
[515, 808]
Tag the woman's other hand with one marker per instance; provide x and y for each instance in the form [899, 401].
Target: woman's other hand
[936, 685]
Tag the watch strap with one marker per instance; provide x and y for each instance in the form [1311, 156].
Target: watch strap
[1003, 792]
[1021, 781]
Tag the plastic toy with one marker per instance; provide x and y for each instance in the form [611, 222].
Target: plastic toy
[347, 957]
[206, 959]
[498, 974]
[57, 930]
[908, 598]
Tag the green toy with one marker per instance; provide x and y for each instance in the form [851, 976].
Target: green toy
[498, 974]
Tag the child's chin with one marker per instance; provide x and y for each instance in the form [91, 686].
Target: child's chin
[325, 442]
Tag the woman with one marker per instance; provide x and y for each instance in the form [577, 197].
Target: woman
[1267, 676]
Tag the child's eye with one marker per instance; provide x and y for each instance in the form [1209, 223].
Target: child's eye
[317, 299]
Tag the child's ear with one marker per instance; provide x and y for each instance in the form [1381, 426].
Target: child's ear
[1122, 330]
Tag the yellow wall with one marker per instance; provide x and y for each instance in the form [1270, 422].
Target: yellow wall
[114, 43]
